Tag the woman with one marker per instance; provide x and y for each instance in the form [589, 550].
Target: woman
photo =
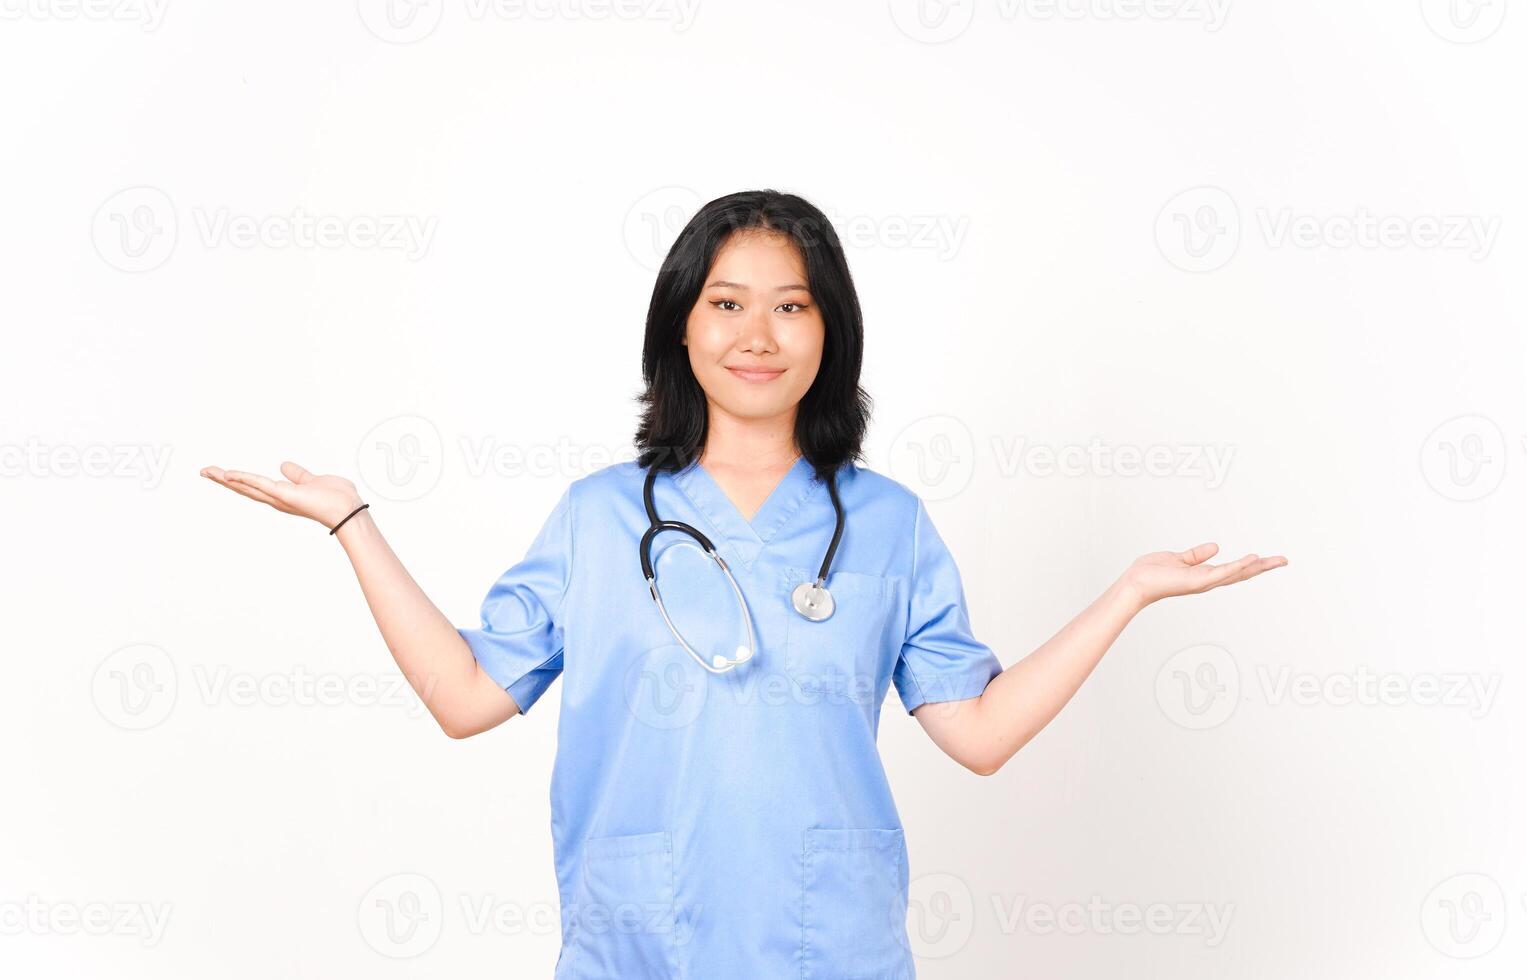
[719, 808]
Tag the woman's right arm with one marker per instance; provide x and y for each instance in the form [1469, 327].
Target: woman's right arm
[429, 651]
[432, 655]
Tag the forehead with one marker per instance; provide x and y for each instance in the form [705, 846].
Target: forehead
[759, 258]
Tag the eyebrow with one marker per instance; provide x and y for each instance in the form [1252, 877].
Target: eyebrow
[727, 284]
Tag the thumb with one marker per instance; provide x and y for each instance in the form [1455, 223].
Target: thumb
[1199, 553]
[295, 473]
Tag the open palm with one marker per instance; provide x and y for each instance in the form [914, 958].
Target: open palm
[325, 499]
[1168, 573]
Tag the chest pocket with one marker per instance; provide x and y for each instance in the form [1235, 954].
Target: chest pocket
[840, 657]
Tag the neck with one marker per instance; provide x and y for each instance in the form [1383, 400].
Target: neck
[754, 444]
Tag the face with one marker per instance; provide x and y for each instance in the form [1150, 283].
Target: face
[755, 334]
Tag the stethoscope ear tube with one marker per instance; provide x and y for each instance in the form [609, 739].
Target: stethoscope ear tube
[837, 531]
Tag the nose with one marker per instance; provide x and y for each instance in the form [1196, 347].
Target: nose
[756, 335]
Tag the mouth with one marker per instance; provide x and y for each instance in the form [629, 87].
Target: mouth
[756, 375]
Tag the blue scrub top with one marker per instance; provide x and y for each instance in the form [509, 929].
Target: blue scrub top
[739, 824]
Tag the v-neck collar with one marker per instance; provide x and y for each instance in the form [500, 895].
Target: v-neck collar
[744, 538]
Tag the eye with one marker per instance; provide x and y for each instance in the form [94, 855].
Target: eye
[800, 306]
[721, 303]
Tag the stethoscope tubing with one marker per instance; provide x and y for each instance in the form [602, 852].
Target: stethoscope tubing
[658, 525]
[837, 530]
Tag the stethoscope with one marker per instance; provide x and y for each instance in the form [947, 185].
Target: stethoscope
[810, 599]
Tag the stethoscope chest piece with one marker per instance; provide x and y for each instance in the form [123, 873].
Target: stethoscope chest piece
[812, 601]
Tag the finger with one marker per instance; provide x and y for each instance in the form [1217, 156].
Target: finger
[247, 491]
[272, 488]
[1247, 568]
[1199, 553]
[1220, 574]
[295, 473]
[1257, 568]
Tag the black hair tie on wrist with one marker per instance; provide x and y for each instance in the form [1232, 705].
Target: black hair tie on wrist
[347, 517]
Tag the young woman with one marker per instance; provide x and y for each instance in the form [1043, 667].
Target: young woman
[719, 808]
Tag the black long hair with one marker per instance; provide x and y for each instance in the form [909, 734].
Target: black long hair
[833, 415]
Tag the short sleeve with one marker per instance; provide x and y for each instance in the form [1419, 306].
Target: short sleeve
[940, 659]
[519, 644]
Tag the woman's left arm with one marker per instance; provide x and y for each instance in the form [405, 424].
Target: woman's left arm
[982, 733]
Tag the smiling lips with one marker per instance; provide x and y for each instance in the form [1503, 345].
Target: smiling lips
[756, 375]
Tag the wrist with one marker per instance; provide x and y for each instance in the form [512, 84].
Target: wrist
[1127, 592]
[341, 519]
[355, 529]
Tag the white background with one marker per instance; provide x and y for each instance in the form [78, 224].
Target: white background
[1072, 224]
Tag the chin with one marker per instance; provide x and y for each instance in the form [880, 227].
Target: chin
[745, 407]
